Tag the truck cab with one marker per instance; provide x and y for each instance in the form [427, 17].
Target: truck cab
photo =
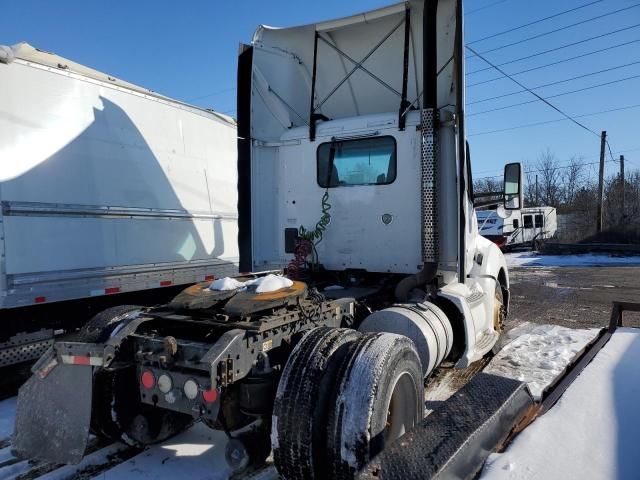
[357, 125]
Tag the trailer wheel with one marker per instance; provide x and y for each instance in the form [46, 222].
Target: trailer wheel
[379, 397]
[302, 401]
[100, 327]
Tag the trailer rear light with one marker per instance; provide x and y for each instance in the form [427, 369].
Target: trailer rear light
[210, 396]
[111, 290]
[148, 380]
[40, 299]
[190, 389]
[165, 283]
[164, 383]
[209, 278]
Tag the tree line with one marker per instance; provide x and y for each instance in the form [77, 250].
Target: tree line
[572, 189]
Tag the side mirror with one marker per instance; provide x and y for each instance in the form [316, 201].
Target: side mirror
[512, 188]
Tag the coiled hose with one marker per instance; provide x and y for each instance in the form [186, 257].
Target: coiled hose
[308, 240]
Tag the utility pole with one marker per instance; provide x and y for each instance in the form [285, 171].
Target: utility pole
[623, 183]
[537, 204]
[603, 141]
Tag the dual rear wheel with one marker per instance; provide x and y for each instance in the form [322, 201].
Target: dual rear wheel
[343, 396]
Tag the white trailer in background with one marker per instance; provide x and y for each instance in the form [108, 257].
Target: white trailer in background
[518, 228]
[106, 188]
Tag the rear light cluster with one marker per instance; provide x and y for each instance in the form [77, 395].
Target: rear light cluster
[164, 383]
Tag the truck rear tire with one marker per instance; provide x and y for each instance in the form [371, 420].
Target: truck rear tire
[302, 401]
[380, 396]
[100, 327]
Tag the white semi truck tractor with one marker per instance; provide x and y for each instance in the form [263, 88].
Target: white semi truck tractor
[354, 181]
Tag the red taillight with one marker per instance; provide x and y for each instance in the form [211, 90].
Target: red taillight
[148, 380]
[210, 396]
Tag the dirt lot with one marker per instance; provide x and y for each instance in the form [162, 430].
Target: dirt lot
[571, 296]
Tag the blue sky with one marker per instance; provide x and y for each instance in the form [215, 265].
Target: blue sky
[188, 50]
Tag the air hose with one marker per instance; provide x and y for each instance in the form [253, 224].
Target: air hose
[315, 235]
[308, 239]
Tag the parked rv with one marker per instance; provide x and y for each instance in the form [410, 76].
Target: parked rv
[110, 194]
[523, 228]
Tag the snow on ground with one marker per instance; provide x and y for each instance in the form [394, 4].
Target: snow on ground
[593, 432]
[539, 354]
[197, 453]
[533, 259]
[7, 417]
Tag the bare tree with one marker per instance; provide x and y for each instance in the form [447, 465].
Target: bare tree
[550, 180]
[572, 179]
[530, 199]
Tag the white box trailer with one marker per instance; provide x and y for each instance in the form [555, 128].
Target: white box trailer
[105, 188]
[518, 228]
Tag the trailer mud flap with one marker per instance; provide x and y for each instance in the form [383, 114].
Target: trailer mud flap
[54, 414]
[455, 440]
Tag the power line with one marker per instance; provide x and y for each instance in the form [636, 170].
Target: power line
[534, 93]
[558, 82]
[484, 7]
[555, 49]
[610, 153]
[561, 166]
[557, 95]
[560, 29]
[534, 22]
[555, 63]
[536, 124]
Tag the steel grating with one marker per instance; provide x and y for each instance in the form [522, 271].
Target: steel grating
[455, 440]
[428, 185]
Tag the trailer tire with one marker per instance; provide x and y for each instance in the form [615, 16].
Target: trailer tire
[379, 397]
[100, 327]
[301, 402]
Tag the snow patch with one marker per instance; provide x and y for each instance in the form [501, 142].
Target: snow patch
[538, 356]
[226, 283]
[197, 453]
[594, 429]
[7, 417]
[268, 283]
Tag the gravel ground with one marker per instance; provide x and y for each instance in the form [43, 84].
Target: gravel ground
[574, 297]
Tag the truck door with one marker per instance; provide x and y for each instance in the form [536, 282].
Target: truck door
[373, 204]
